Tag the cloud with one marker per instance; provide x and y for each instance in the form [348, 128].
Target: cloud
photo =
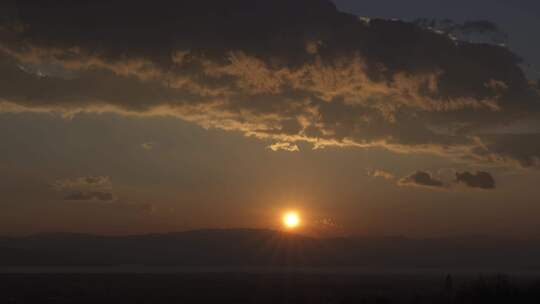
[86, 182]
[327, 223]
[98, 189]
[284, 146]
[86, 188]
[381, 173]
[521, 150]
[421, 179]
[472, 30]
[481, 180]
[301, 72]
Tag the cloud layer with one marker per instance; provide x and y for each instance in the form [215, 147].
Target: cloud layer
[287, 71]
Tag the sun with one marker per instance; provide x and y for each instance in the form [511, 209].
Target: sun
[291, 220]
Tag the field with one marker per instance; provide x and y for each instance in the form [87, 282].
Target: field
[266, 288]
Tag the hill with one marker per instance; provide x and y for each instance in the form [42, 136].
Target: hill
[250, 247]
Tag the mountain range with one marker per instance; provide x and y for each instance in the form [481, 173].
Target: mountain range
[251, 247]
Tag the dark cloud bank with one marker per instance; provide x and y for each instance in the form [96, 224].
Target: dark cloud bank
[289, 71]
[479, 180]
[482, 180]
[421, 179]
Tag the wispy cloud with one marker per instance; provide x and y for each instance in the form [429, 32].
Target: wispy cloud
[284, 146]
[381, 173]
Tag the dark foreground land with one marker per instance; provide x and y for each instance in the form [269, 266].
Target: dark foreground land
[267, 288]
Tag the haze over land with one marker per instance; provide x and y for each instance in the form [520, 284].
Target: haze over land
[266, 248]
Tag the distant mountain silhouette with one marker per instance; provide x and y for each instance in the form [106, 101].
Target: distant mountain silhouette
[250, 247]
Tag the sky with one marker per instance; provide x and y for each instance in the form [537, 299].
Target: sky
[123, 118]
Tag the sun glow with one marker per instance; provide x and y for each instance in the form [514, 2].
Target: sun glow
[291, 220]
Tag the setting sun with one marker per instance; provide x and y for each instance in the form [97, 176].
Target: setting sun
[291, 220]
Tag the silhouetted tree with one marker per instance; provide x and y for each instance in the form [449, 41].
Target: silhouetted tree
[448, 284]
